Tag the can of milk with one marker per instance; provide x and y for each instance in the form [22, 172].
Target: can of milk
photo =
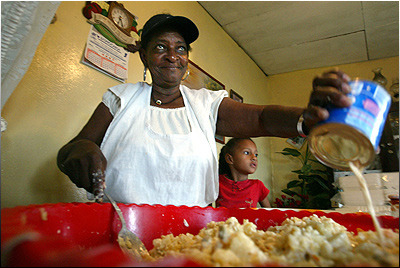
[352, 134]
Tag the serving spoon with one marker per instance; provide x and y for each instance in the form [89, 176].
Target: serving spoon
[128, 242]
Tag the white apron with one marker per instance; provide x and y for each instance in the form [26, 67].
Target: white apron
[152, 168]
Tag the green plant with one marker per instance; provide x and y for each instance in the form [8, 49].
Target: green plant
[313, 187]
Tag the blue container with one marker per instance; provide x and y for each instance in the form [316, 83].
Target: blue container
[352, 134]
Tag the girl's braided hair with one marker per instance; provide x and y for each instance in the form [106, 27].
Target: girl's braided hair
[228, 149]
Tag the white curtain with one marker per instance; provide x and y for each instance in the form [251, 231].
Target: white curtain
[23, 24]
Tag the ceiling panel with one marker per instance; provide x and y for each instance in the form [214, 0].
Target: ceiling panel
[284, 36]
[382, 28]
[270, 30]
[314, 54]
[382, 42]
[380, 13]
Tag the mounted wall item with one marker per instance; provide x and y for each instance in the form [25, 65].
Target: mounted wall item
[105, 56]
[116, 24]
[199, 78]
[91, 7]
[235, 96]
[121, 17]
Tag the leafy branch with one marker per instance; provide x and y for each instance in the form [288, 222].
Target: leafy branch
[313, 187]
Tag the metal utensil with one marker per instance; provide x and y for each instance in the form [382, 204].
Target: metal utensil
[128, 242]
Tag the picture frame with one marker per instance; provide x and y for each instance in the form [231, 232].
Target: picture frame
[296, 142]
[199, 78]
[235, 96]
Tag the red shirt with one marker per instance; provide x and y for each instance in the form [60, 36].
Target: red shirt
[241, 194]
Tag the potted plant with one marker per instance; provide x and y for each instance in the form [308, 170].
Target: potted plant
[313, 187]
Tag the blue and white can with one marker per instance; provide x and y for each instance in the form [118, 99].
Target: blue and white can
[352, 134]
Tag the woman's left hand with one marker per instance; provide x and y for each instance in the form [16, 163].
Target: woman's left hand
[330, 88]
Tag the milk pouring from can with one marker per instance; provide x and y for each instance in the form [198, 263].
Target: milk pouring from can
[352, 134]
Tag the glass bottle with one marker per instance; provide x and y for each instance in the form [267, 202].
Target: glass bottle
[379, 78]
[394, 90]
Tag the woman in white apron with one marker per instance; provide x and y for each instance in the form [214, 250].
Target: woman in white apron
[154, 144]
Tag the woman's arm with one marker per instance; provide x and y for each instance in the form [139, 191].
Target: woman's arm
[82, 157]
[247, 120]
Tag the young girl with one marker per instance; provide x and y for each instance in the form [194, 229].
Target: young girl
[238, 159]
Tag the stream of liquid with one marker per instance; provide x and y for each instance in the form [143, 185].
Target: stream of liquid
[367, 196]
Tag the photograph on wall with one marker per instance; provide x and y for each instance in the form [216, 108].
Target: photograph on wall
[296, 142]
[198, 78]
[235, 96]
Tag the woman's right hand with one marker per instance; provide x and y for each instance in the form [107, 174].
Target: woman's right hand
[84, 163]
[330, 88]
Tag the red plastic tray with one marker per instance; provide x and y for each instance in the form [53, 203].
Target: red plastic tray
[84, 234]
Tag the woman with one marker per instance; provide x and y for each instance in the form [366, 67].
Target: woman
[155, 143]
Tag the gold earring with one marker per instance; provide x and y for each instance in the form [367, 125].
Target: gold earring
[188, 72]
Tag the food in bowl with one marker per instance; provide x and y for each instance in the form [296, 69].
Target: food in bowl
[310, 241]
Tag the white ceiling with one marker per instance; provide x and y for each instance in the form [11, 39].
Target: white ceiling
[285, 36]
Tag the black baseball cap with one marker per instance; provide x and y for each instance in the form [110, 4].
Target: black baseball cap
[183, 25]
